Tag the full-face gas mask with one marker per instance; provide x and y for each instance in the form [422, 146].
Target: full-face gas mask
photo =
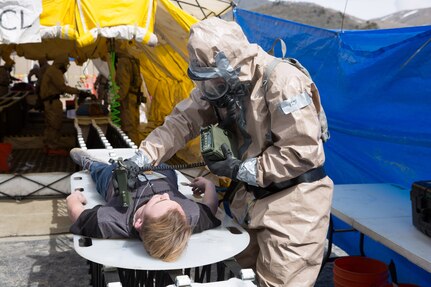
[222, 87]
[218, 83]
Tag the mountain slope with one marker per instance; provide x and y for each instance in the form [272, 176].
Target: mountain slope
[314, 15]
[406, 18]
[319, 16]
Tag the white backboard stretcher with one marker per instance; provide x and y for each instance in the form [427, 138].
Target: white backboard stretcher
[204, 248]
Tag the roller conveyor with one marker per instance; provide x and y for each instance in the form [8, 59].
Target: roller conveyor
[100, 133]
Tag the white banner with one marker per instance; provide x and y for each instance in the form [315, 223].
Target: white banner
[19, 21]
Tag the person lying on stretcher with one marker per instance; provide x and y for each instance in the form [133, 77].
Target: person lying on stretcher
[158, 213]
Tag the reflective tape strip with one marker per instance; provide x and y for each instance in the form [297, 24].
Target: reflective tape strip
[293, 104]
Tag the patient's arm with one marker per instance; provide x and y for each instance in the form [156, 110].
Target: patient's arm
[75, 205]
[202, 185]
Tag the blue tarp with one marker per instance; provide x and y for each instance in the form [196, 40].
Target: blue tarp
[375, 87]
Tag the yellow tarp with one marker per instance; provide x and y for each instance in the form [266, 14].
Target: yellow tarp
[58, 19]
[124, 19]
[75, 27]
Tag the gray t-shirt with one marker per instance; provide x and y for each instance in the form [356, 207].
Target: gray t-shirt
[114, 221]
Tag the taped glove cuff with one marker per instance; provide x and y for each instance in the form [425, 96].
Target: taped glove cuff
[247, 171]
[139, 158]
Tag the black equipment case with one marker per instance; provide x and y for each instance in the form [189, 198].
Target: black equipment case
[420, 196]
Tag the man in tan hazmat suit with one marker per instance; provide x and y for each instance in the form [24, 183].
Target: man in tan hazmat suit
[52, 86]
[284, 196]
[38, 71]
[128, 78]
[5, 77]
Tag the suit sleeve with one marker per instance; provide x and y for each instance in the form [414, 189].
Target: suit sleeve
[87, 224]
[58, 81]
[207, 220]
[181, 126]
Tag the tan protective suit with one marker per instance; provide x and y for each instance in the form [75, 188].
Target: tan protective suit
[52, 86]
[38, 71]
[129, 80]
[288, 229]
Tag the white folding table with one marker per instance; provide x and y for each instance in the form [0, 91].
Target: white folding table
[383, 213]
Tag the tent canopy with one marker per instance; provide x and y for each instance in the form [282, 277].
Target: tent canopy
[202, 9]
[79, 28]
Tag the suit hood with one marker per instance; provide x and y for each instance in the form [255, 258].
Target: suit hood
[213, 35]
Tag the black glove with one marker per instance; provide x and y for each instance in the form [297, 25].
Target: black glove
[227, 167]
[132, 174]
[81, 97]
[84, 95]
[132, 171]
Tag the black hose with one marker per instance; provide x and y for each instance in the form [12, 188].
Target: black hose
[149, 167]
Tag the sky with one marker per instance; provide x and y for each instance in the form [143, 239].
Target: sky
[369, 9]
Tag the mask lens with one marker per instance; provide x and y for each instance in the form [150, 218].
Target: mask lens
[214, 88]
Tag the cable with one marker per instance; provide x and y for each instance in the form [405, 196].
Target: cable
[114, 88]
[344, 14]
[149, 167]
[415, 53]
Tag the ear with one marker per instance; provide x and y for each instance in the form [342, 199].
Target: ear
[138, 224]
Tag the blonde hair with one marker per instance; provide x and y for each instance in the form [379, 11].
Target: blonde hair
[166, 237]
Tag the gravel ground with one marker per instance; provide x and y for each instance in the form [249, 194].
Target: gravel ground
[41, 262]
[50, 261]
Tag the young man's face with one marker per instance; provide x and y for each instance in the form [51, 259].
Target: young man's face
[157, 206]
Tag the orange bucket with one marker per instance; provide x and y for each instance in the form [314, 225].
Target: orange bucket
[357, 271]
